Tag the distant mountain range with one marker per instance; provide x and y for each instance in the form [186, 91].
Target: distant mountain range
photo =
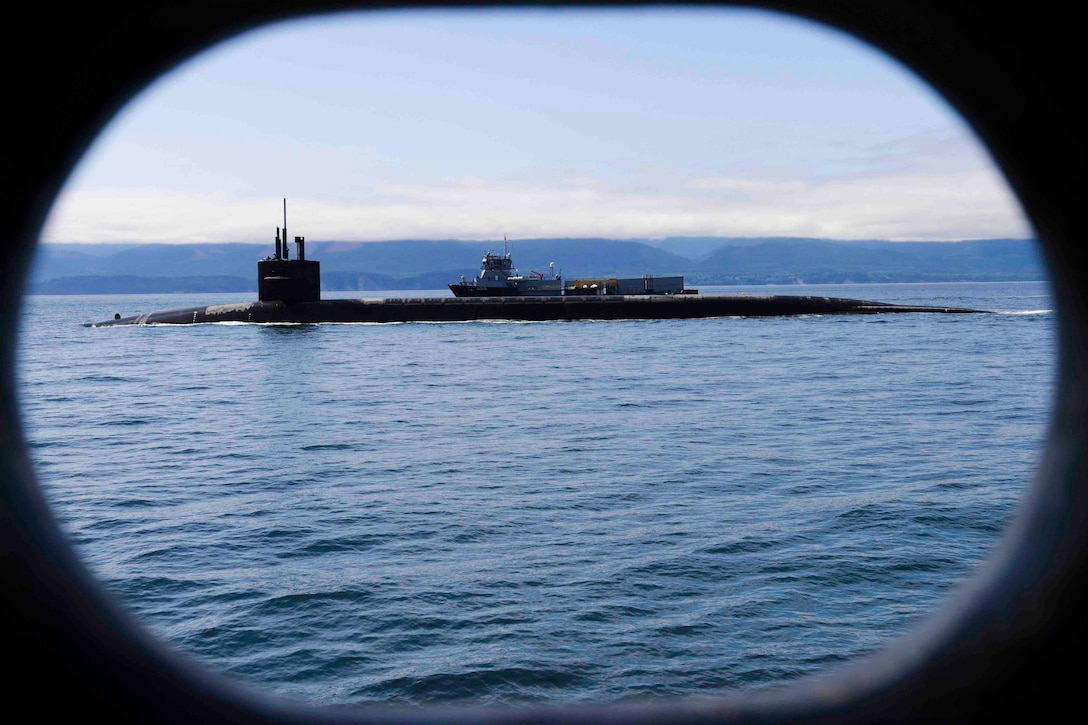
[432, 264]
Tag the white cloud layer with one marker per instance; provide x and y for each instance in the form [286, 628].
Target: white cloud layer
[936, 206]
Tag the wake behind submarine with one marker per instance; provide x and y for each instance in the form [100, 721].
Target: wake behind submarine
[289, 291]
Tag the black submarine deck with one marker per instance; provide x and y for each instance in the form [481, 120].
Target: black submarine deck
[465, 309]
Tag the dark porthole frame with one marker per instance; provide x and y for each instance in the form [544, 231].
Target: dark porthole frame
[1000, 648]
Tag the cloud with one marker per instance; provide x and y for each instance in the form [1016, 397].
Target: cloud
[938, 205]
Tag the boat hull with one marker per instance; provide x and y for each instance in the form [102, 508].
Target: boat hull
[469, 290]
[465, 309]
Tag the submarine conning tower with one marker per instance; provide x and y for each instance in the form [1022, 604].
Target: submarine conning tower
[282, 279]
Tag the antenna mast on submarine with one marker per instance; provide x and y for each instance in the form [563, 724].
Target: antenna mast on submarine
[286, 253]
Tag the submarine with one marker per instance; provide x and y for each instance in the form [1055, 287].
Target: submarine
[289, 291]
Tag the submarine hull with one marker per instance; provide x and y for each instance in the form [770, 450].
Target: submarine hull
[465, 309]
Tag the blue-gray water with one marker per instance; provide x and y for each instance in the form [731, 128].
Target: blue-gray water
[501, 512]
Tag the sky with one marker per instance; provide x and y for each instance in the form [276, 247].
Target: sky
[571, 123]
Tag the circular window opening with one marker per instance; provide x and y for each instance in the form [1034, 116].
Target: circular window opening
[537, 512]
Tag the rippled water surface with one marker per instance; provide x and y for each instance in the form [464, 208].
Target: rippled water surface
[537, 511]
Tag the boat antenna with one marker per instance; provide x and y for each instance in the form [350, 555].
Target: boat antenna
[286, 254]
